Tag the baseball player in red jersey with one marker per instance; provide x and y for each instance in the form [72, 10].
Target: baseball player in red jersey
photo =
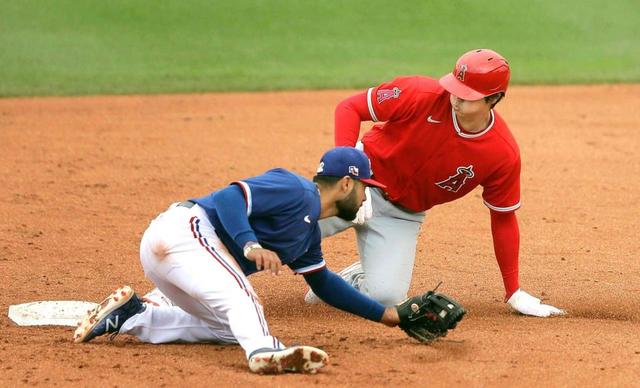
[439, 140]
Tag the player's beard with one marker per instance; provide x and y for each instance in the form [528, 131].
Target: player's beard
[348, 207]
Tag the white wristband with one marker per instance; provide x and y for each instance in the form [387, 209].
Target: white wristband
[251, 245]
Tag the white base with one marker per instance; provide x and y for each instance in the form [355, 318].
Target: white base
[50, 312]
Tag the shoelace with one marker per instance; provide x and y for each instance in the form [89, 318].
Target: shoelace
[357, 279]
[113, 335]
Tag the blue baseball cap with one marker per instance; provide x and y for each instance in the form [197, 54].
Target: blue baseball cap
[347, 161]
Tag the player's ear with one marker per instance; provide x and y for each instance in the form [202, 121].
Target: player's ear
[493, 99]
[346, 184]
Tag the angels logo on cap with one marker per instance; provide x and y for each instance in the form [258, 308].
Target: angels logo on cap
[347, 161]
[461, 71]
[477, 74]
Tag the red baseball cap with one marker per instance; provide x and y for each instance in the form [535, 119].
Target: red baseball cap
[478, 73]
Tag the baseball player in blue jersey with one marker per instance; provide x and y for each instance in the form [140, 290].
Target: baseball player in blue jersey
[200, 252]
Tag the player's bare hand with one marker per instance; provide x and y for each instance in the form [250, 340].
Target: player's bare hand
[265, 260]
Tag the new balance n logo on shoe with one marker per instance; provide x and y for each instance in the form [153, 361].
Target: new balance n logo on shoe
[109, 315]
[115, 325]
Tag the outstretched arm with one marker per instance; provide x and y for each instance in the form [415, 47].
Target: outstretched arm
[333, 290]
[506, 243]
[424, 317]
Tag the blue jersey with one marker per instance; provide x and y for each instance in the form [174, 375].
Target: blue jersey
[283, 210]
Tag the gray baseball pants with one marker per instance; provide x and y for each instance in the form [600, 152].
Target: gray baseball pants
[387, 248]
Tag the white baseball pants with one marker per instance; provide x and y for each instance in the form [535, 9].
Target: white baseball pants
[213, 300]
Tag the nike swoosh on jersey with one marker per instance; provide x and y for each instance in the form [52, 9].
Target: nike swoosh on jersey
[432, 120]
[307, 219]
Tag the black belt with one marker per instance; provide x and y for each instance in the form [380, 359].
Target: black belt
[187, 204]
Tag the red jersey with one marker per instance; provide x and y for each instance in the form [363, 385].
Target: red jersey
[426, 159]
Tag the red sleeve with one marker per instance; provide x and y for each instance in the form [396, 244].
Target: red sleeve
[350, 112]
[506, 244]
[392, 100]
[502, 191]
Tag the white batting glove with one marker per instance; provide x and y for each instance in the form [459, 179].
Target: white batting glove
[530, 305]
[366, 210]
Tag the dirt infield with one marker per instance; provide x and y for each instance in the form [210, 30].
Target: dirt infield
[82, 177]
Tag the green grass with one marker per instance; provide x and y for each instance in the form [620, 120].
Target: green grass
[62, 47]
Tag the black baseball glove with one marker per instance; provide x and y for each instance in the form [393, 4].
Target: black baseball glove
[429, 316]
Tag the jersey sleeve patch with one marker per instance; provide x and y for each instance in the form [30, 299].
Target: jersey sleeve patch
[394, 100]
[247, 195]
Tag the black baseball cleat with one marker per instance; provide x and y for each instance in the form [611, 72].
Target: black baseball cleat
[109, 315]
[296, 359]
